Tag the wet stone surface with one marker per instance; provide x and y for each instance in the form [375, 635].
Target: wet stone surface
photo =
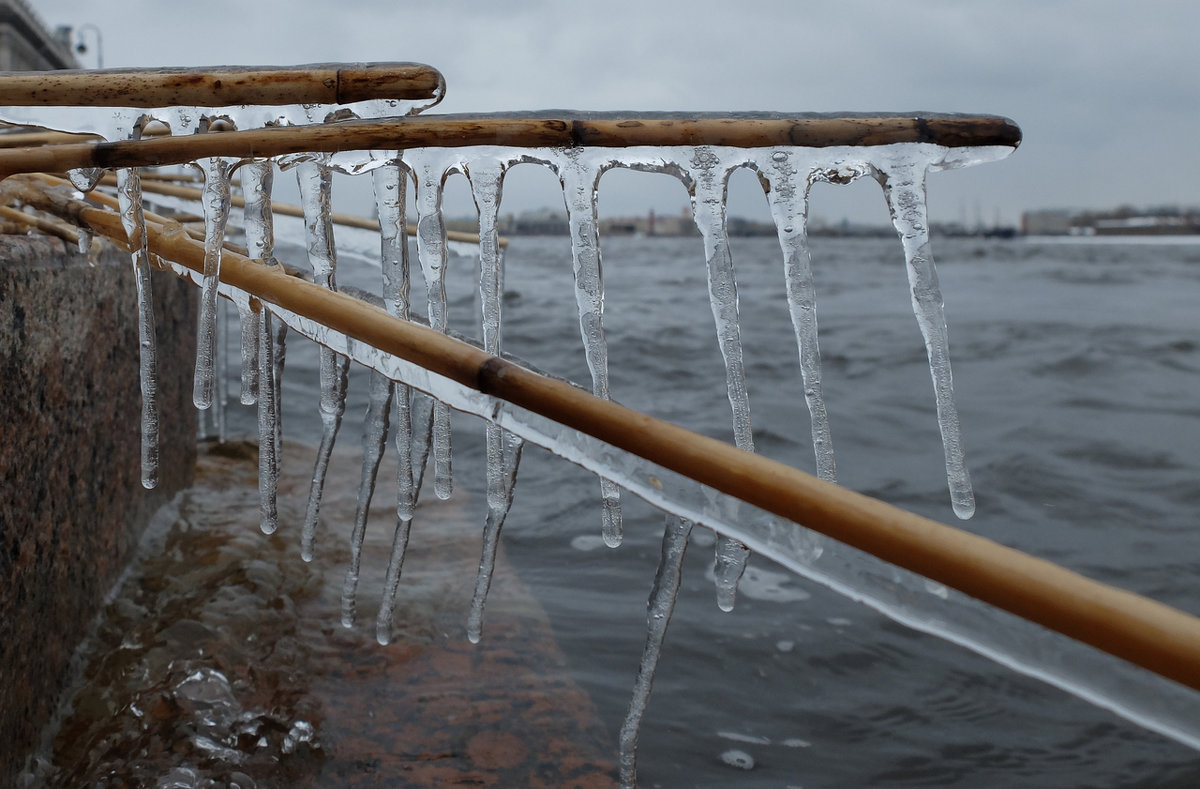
[223, 661]
[72, 505]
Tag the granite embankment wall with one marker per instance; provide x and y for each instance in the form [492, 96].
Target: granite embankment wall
[72, 506]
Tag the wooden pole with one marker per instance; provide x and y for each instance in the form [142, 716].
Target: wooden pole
[287, 209]
[53, 227]
[221, 86]
[548, 131]
[1144, 632]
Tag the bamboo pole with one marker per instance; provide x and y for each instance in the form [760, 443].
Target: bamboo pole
[287, 209]
[221, 86]
[1144, 632]
[53, 227]
[552, 131]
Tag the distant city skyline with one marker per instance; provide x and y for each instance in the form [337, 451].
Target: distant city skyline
[1104, 91]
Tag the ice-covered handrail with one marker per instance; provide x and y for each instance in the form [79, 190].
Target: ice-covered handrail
[534, 130]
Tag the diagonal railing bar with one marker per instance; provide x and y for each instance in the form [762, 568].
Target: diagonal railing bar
[1133, 628]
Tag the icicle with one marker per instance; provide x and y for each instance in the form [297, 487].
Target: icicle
[221, 371]
[257, 181]
[272, 350]
[85, 237]
[129, 197]
[390, 182]
[708, 205]
[579, 181]
[316, 196]
[315, 180]
[788, 198]
[431, 175]
[487, 178]
[375, 430]
[502, 479]
[331, 419]
[659, 609]
[216, 214]
[904, 186]
[404, 513]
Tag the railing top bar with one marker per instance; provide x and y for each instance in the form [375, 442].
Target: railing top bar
[524, 131]
[742, 130]
[328, 83]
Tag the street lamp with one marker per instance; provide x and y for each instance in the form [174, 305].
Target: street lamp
[81, 47]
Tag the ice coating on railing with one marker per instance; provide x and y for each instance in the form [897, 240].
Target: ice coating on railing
[129, 197]
[579, 176]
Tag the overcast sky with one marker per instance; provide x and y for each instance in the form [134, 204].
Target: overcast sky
[1105, 91]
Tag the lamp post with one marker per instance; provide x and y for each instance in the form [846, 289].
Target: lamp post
[81, 47]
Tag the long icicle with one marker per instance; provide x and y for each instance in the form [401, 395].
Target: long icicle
[315, 179]
[487, 179]
[390, 183]
[422, 433]
[708, 206]
[216, 200]
[431, 175]
[904, 186]
[375, 431]
[788, 198]
[579, 182]
[258, 179]
[268, 424]
[220, 371]
[129, 195]
[658, 615]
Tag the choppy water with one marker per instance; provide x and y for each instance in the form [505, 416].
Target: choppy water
[1077, 368]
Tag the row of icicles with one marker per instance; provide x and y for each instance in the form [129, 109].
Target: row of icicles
[421, 425]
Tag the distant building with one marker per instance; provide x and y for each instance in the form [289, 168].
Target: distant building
[1052, 222]
[27, 45]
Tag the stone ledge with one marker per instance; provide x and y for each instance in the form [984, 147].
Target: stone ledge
[71, 505]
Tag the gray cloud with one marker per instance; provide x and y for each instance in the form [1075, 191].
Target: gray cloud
[1104, 90]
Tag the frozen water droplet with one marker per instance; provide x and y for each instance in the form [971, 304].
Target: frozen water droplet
[739, 759]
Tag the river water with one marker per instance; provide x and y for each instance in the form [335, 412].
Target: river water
[1076, 367]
